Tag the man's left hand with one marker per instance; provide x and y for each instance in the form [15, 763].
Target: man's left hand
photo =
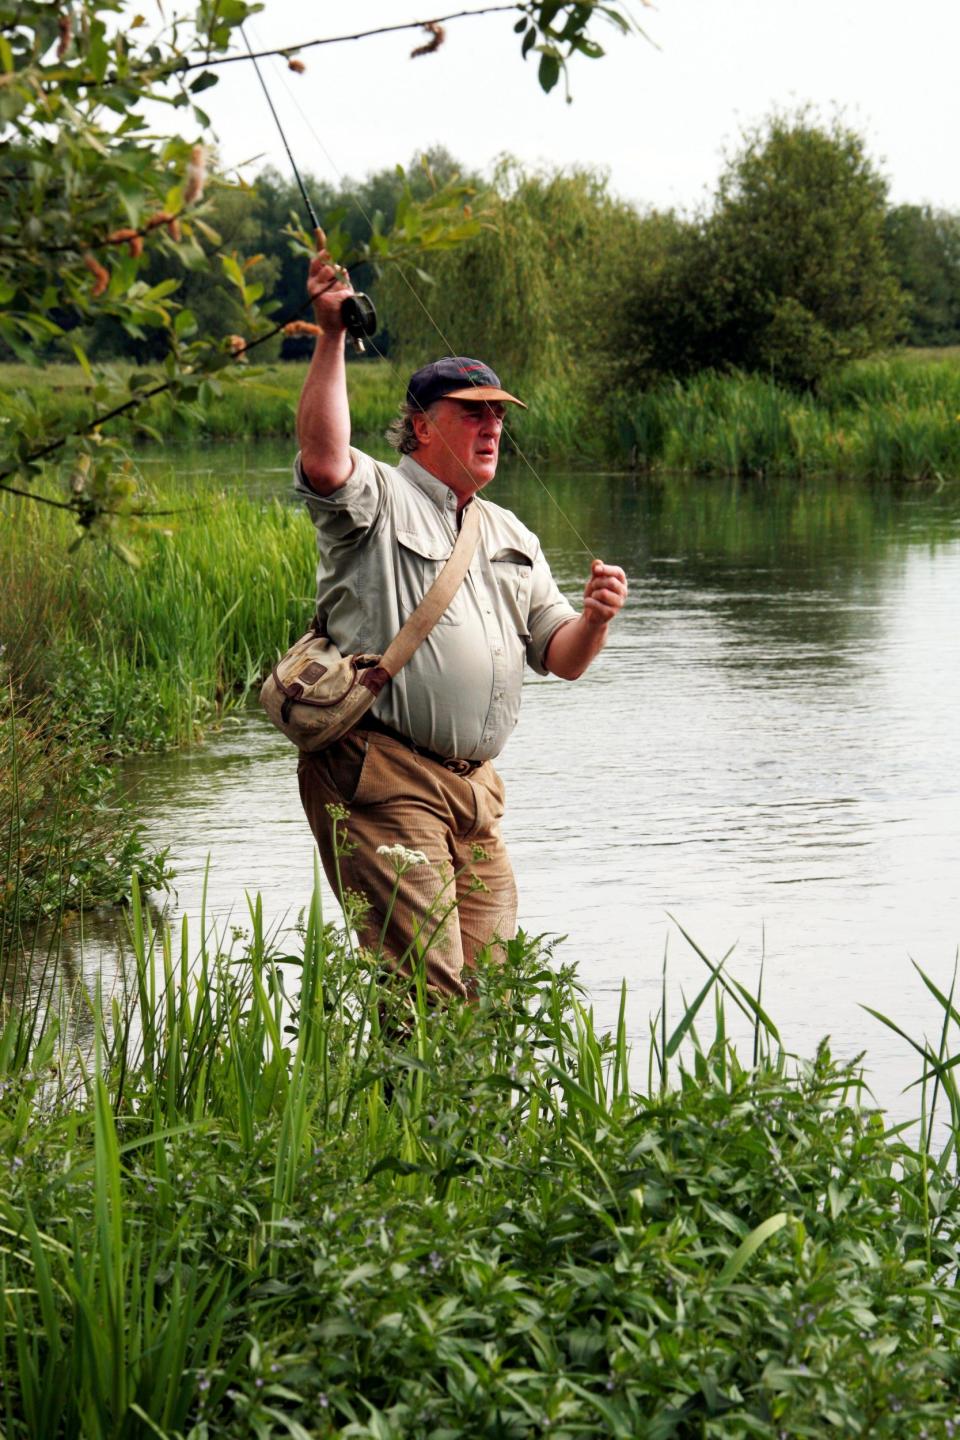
[605, 593]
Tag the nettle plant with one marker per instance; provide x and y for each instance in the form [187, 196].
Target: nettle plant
[94, 188]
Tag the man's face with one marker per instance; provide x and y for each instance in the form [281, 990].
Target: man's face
[460, 442]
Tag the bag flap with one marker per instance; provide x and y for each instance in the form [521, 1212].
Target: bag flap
[314, 669]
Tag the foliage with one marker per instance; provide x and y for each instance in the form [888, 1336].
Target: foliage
[66, 841]
[283, 1198]
[874, 421]
[788, 275]
[536, 288]
[924, 247]
[97, 205]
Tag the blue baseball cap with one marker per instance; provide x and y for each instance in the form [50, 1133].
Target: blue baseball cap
[456, 378]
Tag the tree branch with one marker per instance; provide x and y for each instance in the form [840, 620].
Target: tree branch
[360, 35]
[118, 410]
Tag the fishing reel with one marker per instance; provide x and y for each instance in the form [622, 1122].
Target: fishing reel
[359, 316]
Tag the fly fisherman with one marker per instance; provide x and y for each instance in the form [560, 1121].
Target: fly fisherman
[417, 771]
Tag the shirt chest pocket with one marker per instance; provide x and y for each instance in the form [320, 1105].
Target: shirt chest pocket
[420, 558]
[513, 572]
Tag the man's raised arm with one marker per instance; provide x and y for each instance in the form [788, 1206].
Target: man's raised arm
[323, 416]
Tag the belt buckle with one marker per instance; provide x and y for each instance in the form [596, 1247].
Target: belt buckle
[460, 767]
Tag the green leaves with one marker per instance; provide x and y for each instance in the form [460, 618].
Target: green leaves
[558, 31]
[549, 71]
[746, 1250]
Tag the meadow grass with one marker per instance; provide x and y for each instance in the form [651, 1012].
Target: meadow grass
[891, 418]
[279, 1196]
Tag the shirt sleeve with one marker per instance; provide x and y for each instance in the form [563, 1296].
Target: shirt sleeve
[346, 514]
[549, 609]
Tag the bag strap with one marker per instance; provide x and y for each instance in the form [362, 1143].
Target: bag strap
[418, 626]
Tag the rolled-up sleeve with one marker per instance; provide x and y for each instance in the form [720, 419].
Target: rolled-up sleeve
[549, 609]
[346, 513]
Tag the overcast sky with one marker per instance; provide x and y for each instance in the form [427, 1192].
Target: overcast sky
[657, 116]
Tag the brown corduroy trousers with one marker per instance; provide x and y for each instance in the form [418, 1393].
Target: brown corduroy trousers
[463, 899]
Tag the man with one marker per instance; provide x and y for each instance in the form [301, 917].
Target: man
[417, 772]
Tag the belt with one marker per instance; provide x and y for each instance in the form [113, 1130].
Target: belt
[458, 767]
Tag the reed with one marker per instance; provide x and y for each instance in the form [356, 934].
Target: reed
[882, 421]
[284, 1198]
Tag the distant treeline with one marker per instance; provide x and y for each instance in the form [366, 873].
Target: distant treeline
[798, 265]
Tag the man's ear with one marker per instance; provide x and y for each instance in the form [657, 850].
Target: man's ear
[422, 429]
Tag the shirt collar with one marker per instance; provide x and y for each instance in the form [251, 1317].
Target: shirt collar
[434, 489]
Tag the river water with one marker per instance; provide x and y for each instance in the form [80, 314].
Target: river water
[765, 755]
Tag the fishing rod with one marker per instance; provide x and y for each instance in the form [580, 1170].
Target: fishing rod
[358, 310]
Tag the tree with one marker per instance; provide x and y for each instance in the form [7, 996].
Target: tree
[90, 192]
[788, 275]
[924, 249]
[538, 284]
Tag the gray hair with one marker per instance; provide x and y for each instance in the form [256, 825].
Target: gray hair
[400, 434]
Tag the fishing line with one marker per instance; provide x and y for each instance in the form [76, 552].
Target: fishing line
[406, 280]
[293, 164]
[358, 311]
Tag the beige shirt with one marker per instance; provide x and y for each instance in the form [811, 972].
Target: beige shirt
[382, 539]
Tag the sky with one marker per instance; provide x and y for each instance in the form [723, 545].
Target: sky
[658, 114]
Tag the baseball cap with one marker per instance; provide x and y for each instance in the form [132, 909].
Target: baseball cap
[456, 378]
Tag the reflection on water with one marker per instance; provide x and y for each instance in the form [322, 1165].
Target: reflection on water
[766, 752]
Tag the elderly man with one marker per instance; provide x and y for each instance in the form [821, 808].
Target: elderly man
[418, 771]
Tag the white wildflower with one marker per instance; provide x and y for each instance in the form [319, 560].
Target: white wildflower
[402, 858]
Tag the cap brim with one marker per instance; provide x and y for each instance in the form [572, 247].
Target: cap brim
[482, 392]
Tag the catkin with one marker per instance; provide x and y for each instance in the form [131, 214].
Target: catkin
[65, 30]
[101, 276]
[196, 176]
[437, 36]
[128, 237]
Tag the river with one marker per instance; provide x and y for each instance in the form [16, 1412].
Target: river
[765, 755]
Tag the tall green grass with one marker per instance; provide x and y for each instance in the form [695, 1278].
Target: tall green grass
[102, 657]
[283, 1199]
[875, 421]
[148, 654]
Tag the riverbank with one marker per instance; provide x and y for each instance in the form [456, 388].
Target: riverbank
[103, 657]
[885, 419]
[263, 1215]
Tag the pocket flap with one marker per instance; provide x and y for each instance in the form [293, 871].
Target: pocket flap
[512, 556]
[428, 547]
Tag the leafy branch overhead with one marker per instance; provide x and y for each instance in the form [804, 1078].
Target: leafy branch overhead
[97, 196]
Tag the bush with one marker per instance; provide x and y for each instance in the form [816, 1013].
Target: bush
[789, 274]
[485, 1228]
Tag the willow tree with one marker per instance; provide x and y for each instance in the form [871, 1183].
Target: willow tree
[534, 291]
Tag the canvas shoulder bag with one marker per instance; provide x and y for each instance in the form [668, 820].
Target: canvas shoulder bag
[314, 694]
